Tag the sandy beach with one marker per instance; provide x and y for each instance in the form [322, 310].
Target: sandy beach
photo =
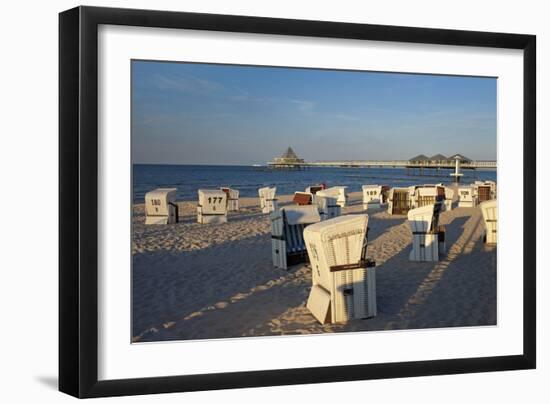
[193, 281]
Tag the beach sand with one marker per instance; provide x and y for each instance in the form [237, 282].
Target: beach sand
[193, 281]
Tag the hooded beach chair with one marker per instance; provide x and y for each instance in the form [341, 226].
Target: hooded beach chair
[232, 199]
[327, 205]
[287, 228]
[313, 189]
[428, 237]
[493, 186]
[449, 196]
[373, 196]
[268, 202]
[385, 193]
[340, 192]
[484, 190]
[489, 210]
[343, 279]
[398, 201]
[412, 196]
[467, 197]
[428, 195]
[212, 207]
[302, 198]
[161, 207]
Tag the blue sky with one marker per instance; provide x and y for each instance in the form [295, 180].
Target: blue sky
[184, 113]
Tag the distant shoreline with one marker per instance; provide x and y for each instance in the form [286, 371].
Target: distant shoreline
[188, 178]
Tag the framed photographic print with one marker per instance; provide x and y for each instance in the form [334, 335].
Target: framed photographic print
[250, 201]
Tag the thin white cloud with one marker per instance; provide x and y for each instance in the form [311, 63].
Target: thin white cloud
[155, 119]
[240, 94]
[249, 98]
[346, 117]
[238, 97]
[186, 83]
[304, 106]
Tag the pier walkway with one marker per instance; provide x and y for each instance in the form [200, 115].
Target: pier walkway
[470, 165]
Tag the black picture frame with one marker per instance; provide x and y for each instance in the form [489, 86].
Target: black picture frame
[78, 196]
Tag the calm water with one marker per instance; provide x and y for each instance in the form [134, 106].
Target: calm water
[188, 179]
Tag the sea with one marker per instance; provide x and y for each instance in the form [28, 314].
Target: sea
[188, 179]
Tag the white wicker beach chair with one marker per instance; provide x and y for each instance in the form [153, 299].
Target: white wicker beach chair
[489, 210]
[268, 202]
[212, 207]
[302, 198]
[428, 195]
[161, 207]
[428, 236]
[340, 192]
[313, 189]
[485, 190]
[399, 201]
[327, 205]
[412, 196]
[232, 199]
[493, 186]
[373, 196]
[449, 197]
[343, 280]
[287, 228]
[467, 197]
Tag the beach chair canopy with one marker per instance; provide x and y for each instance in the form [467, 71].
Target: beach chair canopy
[335, 242]
[313, 189]
[267, 192]
[425, 218]
[466, 191]
[372, 188]
[333, 191]
[400, 200]
[484, 192]
[424, 191]
[372, 194]
[204, 194]
[302, 198]
[231, 193]
[343, 238]
[489, 210]
[399, 190]
[287, 228]
[157, 201]
[212, 201]
[301, 214]
[324, 200]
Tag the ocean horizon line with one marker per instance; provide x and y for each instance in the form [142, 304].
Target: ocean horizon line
[199, 164]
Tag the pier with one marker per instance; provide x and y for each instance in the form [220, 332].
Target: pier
[289, 160]
[490, 165]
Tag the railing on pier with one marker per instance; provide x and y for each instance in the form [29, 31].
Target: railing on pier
[481, 164]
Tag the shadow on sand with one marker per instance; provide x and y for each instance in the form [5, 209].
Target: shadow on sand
[269, 301]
